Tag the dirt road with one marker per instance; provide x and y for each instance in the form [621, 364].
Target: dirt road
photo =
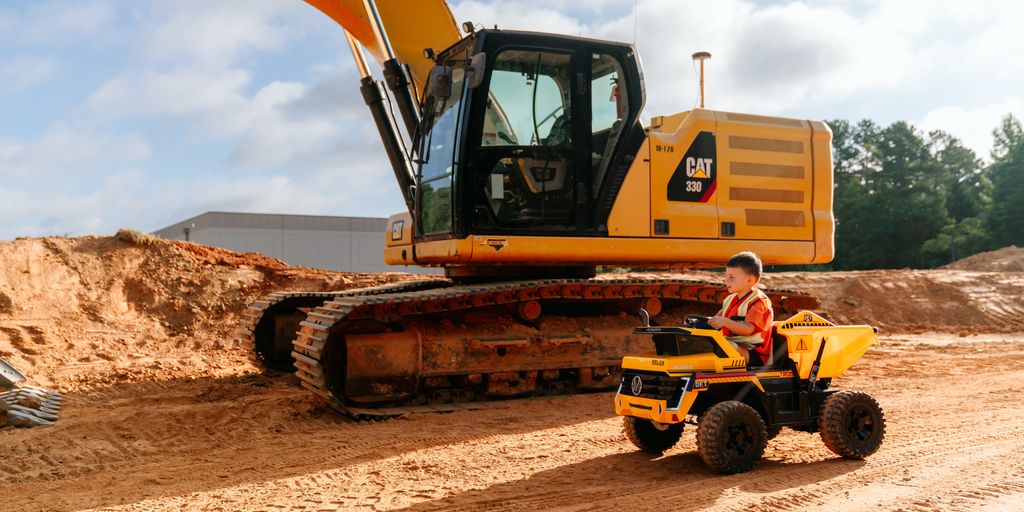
[252, 442]
[163, 412]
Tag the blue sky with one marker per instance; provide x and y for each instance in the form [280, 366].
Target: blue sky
[117, 113]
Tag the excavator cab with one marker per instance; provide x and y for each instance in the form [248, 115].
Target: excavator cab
[523, 133]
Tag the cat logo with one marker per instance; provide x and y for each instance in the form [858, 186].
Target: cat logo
[808, 317]
[396, 229]
[698, 167]
[693, 179]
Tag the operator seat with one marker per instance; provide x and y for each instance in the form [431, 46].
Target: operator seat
[560, 133]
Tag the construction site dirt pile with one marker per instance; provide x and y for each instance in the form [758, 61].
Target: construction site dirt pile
[1007, 259]
[94, 311]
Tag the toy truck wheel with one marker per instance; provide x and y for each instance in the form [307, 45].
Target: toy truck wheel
[650, 437]
[852, 424]
[731, 437]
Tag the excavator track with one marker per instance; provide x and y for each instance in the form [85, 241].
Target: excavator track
[434, 346]
[282, 311]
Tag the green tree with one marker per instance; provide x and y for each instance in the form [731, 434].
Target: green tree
[963, 173]
[895, 200]
[1006, 215]
[1006, 136]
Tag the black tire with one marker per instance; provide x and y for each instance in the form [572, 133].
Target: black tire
[771, 432]
[731, 437]
[649, 437]
[851, 424]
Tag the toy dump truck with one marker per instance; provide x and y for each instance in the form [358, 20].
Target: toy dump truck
[695, 376]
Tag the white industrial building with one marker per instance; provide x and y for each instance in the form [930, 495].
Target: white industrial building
[350, 244]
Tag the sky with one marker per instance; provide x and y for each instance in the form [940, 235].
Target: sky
[141, 113]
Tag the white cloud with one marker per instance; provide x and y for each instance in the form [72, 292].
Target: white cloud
[71, 210]
[58, 23]
[23, 72]
[216, 34]
[180, 92]
[517, 15]
[64, 149]
[278, 124]
[972, 125]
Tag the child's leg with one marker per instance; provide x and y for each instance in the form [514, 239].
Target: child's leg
[742, 349]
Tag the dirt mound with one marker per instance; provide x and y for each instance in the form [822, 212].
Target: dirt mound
[1007, 259]
[96, 310]
[904, 301]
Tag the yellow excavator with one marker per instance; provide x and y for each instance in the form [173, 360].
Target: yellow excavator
[525, 166]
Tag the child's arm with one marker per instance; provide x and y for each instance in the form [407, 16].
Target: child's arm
[735, 327]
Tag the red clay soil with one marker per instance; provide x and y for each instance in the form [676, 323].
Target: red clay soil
[163, 412]
[1007, 259]
[98, 310]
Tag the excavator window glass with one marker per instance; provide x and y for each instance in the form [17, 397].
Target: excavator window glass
[528, 100]
[438, 158]
[525, 163]
[609, 106]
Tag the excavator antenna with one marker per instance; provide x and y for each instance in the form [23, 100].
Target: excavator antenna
[701, 56]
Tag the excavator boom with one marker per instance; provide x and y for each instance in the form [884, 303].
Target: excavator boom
[411, 27]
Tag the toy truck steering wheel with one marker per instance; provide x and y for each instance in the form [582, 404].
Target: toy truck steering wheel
[696, 322]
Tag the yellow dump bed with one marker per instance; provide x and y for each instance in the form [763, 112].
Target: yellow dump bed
[844, 344]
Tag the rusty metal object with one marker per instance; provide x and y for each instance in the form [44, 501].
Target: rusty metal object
[528, 310]
[652, 305]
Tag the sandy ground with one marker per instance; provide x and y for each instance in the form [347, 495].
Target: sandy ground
[163, 414]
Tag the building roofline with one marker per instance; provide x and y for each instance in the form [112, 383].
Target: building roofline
[252, 214]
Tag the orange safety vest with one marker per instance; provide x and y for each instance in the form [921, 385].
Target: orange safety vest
[757, 339]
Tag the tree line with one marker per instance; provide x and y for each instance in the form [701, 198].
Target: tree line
[904, 198]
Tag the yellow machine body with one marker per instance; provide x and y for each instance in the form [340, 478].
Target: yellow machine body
[772, 191]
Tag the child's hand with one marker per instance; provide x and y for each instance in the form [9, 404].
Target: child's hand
[717, 321]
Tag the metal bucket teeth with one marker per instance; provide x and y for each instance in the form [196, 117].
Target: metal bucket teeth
[42, 412]
[26, 406]
[22, 419]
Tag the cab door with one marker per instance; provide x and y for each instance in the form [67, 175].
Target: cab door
[528, 163]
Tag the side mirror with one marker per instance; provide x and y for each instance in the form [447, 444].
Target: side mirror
[476, 70]
[439, 82]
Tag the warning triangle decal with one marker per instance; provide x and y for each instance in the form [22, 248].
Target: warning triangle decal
[801, 345]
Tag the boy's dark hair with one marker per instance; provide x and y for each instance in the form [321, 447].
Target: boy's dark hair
[747, 261]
